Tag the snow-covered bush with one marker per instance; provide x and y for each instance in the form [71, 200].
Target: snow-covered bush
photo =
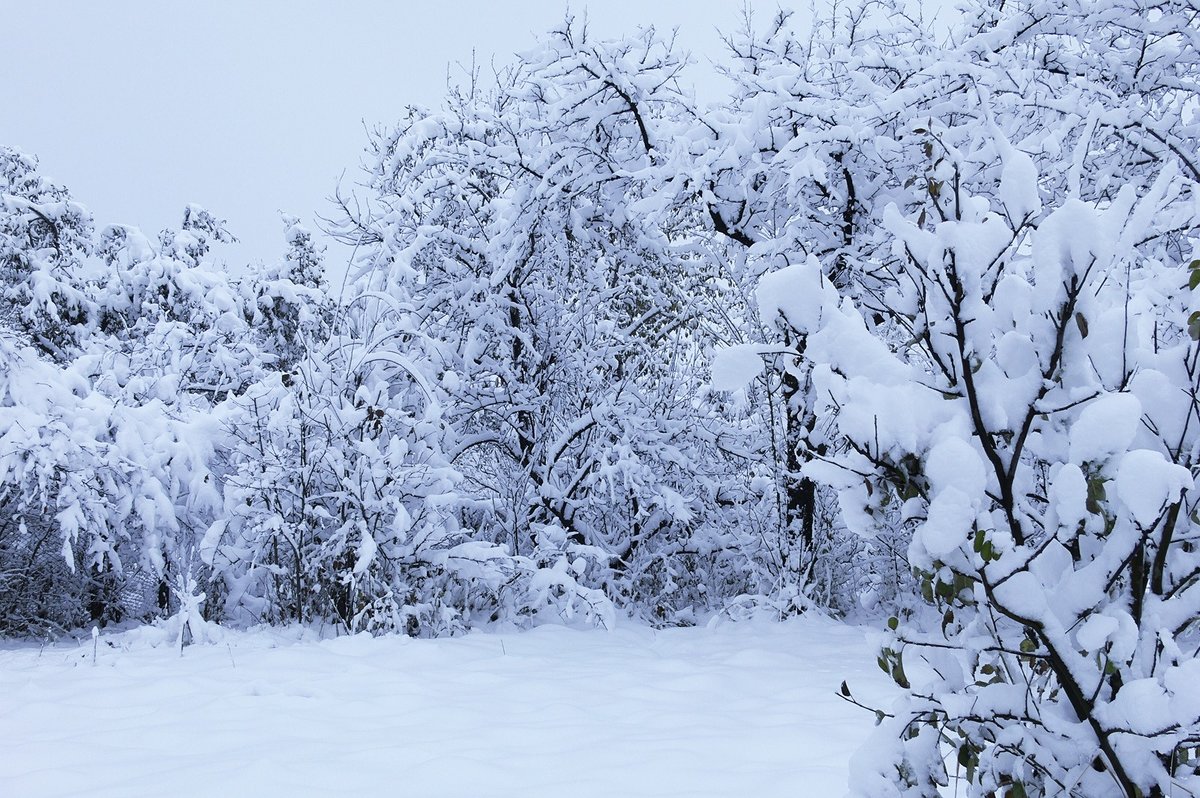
[342, 506]
[1009, 374]
[107, 487]
[1035, 426]
[1036, 431]
[44, 235]
[173, 326]
[333, 489]
[107, 370]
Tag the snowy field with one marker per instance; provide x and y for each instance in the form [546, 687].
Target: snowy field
[737, 710]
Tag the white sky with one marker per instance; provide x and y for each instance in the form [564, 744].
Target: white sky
[249, 108]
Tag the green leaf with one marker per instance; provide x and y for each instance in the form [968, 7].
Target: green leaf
[893, 623]
[1194, 326]
[1194, 280]
[967, 756]
[1096, 495]
[962, 582]
[845, 689]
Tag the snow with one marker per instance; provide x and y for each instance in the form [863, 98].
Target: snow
[1181, 682]
[734, 367]
[1095, 631]
[948, 522]
[1104, 427]
[1019, 185]
[1147, 482]
[954, 462]
[1140, 706]
[1022, 594]
[1068, 495]
[957, 478]
[800, 293]
[737, 709]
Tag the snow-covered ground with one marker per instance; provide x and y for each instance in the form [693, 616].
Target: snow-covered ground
[737, 710]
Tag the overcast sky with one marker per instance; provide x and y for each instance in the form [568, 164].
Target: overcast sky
[250, 108]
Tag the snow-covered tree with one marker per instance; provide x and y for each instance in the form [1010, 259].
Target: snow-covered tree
[291, 308]
[552, 262]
